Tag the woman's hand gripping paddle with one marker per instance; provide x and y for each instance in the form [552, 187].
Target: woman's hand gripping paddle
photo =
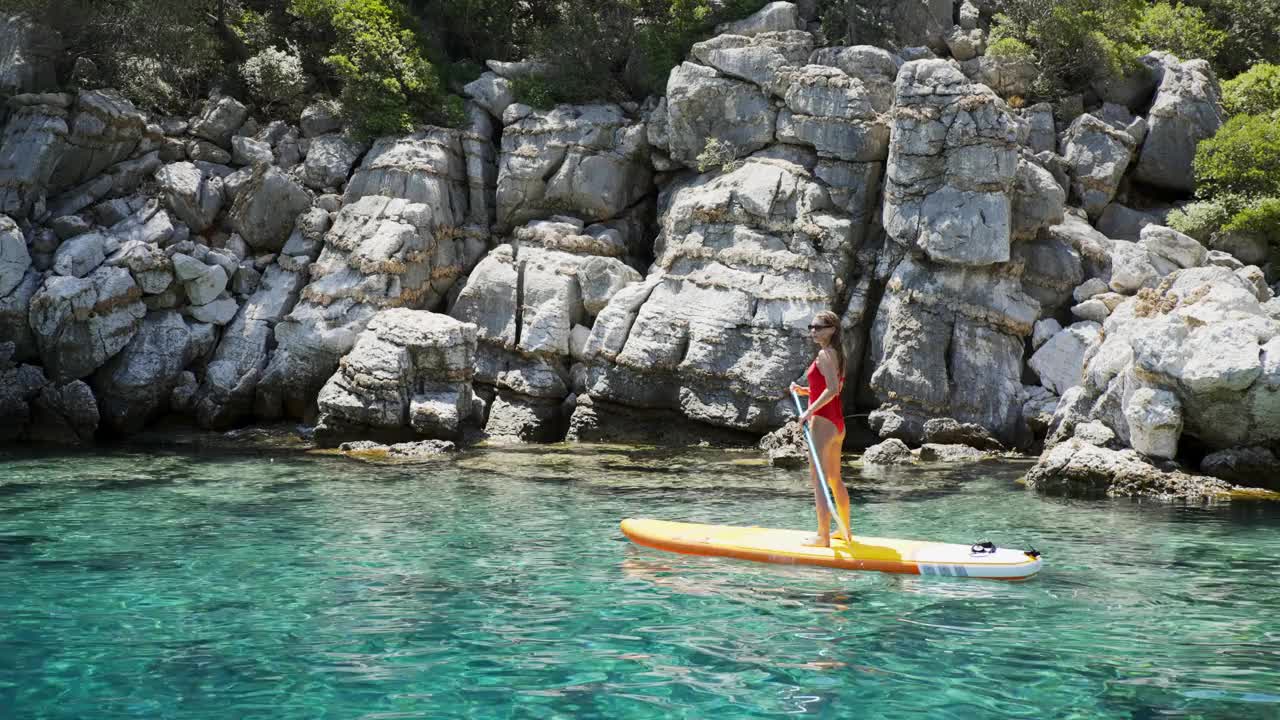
[822, 476]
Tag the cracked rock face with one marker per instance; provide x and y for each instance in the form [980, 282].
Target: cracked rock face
[1186, 110]
[1204, 338]
[80, 323]
[533, 301]
[409, 374]
[588, 160]
[716, 330]
[33, 142]
[702, 105]
[380, 253]
[104, 129]
[134, 386]
[952, 164]
[226, 396]
[948, 341]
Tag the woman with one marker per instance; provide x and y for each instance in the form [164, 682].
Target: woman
[826, 419]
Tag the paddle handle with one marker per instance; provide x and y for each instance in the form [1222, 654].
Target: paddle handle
[817, 465]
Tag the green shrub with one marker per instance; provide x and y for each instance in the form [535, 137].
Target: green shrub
[717, 153]
[1183, 30]
[1261, 218]
[1009, 48]
[387, 84]
[275, 77]
[1201, 219]
[1252, 32]
[1074, 41]
[1243, 158]
[534, 91]
[1253, 92]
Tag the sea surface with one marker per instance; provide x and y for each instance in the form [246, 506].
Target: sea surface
[274, 584]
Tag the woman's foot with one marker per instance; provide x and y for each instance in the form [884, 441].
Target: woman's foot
[818, 541]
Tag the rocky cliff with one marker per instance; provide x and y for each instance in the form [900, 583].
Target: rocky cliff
[648, 269]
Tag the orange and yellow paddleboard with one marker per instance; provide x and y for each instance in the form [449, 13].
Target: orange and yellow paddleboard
[787, 547]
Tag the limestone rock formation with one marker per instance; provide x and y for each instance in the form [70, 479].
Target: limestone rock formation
[409, 374]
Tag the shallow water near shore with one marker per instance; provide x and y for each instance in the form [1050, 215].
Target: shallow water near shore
[283, 585]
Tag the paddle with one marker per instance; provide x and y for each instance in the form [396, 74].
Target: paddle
[817, 464]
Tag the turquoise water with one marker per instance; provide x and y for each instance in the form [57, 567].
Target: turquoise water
[143, 585]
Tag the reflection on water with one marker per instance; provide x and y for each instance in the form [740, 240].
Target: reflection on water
[279, 585]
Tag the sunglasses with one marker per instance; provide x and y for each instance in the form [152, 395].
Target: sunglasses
[820, 327]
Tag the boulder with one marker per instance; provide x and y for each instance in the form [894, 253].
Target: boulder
[267, 207]
[492, 92]
[103, 129]
[1097, 155]
[329, 161]
[195, 197]
[1181, 250]
[64, 414]
[767, 60]
[705, 110]
[32, 144]
[774, 17]
[588, 160]
[134, 387]
[380, 253]
[80, 323]
[946, 431]
[80, 255]
[889, 452]
[247, 151]
[1187, 109]
[320, 118]
[1155, 422]
[1078, 468]
[1060, 360]
[408, 374]
[219, 120]
[951, 169]
[14, 258]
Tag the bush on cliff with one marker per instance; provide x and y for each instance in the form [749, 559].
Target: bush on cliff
[1253, 92]
[1074, 41]
[1252, 32]
[387, 83]
[633, 46]
[1184, 30]
[1243, 158]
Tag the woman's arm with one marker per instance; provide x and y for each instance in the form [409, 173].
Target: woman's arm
[830, 373]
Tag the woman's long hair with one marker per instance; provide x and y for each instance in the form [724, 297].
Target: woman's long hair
[826, 317]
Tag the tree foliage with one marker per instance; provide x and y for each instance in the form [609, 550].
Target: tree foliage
[1074, 41]
[1253, 92]
[1243, 157]
[1184, 30]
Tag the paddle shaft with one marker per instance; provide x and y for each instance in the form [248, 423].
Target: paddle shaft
[817, 466]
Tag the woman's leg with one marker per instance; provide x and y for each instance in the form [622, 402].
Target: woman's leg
[831, 466]
[823, 538]
[824, 435]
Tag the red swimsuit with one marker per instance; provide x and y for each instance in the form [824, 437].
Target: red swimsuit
[818, 385]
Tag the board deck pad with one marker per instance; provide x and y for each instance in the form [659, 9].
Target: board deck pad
[787, 547]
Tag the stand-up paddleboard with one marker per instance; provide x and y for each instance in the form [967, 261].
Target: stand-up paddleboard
[912, 557]
[787, 547]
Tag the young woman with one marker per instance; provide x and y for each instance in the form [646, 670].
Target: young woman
[826, 418]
